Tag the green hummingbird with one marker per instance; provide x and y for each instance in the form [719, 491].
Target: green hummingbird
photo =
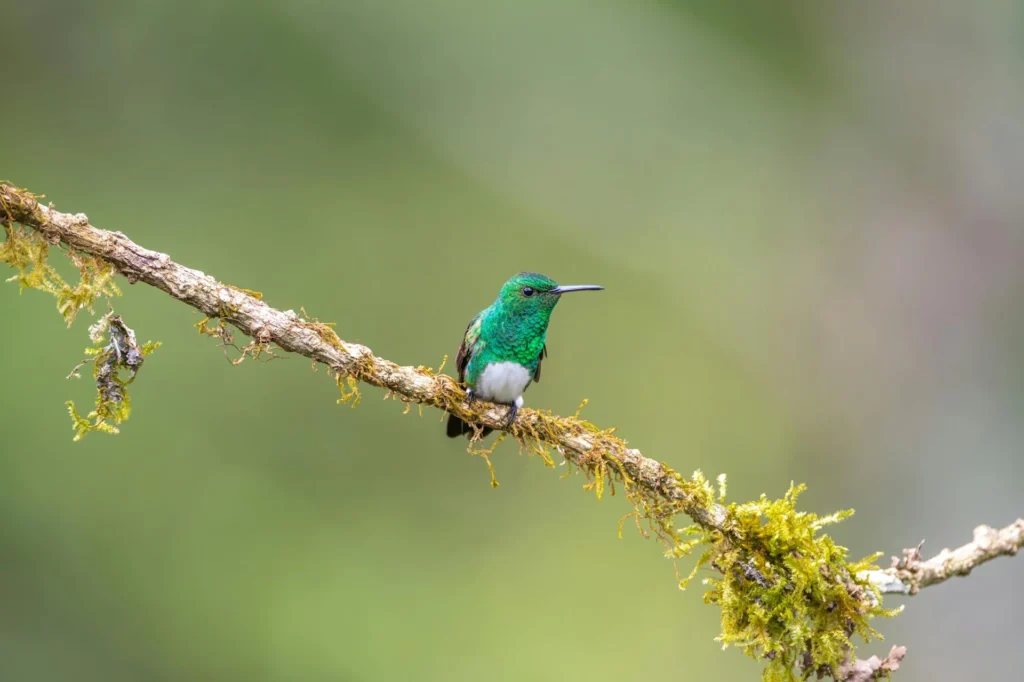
[505, 343]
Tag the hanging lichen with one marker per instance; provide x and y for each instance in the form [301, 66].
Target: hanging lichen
[120, 353]
[26, 251]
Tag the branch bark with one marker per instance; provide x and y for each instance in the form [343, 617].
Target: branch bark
[580, 442]
[910, 574]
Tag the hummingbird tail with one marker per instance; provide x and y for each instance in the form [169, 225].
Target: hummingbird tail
[457, 427]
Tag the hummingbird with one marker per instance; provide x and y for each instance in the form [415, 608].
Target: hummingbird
[504, 344]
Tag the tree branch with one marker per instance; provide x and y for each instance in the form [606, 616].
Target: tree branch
[742, 547]
[909, 574]
[318, 342]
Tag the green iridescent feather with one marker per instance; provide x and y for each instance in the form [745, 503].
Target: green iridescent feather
[513, 328]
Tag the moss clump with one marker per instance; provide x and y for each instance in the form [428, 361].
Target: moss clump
[787, 593]
[27, 251]
[120, 353]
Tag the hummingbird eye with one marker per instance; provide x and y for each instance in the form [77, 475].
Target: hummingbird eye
[528, 291]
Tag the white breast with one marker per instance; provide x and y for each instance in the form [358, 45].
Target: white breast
[503, 382]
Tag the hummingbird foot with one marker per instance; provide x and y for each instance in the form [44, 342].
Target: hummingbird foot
[510, 416]
[513, 410]
[470, 395]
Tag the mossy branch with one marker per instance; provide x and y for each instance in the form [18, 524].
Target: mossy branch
[787, 592]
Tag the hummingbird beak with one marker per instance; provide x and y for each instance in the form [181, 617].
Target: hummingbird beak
[566, 288]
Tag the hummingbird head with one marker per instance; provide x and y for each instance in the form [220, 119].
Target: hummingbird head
[530, 294]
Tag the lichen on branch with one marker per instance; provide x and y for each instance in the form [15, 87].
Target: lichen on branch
[121, 353]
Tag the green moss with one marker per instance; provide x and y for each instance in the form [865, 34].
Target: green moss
[26, 251]
[325, 330]
[788, 595]
[258, 295]
[787, 592]
[349, 388]
[121, 354]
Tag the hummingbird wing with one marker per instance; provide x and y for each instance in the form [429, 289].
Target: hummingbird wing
[469, 340]
[457, 427]
[543, 354]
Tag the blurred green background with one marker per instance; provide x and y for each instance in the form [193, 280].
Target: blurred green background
[808, 220]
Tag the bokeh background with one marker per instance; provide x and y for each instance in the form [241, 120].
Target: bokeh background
[808, 218]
